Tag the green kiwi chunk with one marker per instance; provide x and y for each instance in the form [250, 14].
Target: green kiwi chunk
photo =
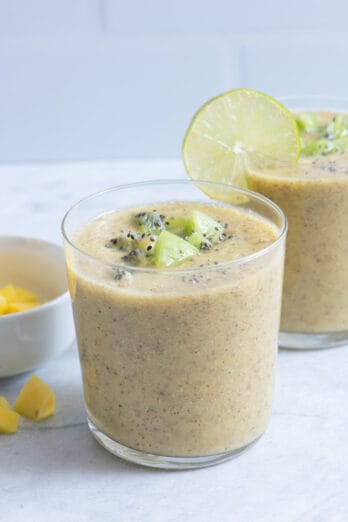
[203, 225]
[138, 247]
[150, 222]
[177, 225]
[171, 250]
[132, 240]
[318, 147]
[337, 128]
[124, 241]
[320, 140]
[341, 144]
[309, 122]
[202, 243]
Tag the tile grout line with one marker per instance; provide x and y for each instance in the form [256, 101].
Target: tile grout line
[243, 65]
[102, 11]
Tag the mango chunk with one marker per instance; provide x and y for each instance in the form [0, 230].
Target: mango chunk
[25, 296]
[36, 400]
[8, 420]
[16, 299]
[3, 305]
[4, 403]
[16, 306]
[9, 292]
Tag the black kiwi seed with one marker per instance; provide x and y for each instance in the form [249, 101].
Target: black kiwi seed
[205, 245]
[119, 274]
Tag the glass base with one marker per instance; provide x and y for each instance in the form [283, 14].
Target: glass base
[312, 341]
[160, 461]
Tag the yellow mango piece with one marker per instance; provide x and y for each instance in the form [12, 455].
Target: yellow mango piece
[9, 292]
[8, 420]
[24, 296]
[3, 305]
[16, 299]
[15, 306]
[4, 403]
[36, 400]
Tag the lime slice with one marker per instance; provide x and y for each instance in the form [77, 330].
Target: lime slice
[237, 131]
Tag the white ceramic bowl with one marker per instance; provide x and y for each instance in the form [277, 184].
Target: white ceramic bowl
[30, 338]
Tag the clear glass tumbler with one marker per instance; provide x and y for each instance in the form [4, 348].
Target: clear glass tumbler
[177, 374]
[313, 193]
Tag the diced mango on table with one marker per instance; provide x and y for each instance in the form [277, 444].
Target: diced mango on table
[36, 400]
[8, 418]
[16, 299]
[4, 403]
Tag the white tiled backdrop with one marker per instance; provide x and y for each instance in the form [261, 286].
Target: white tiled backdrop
[101, 79]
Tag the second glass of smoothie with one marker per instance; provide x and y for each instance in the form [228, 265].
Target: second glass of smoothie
[178, 360]
[314, 196]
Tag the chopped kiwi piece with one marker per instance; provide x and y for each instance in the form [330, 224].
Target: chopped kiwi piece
[337, 128]
[318, 147]
[202, 243]
[150, 222]
[131, 241]
[319, 139]
[341, 144]
[124, 241]
[138, 246]
[204, 225]
[147, 242]
[177, 225]
[309, 122]
[171, 250]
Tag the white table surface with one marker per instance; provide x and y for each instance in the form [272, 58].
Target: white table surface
[55, 471]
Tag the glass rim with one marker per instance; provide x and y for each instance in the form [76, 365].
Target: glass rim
[233, 262]
[312, 99]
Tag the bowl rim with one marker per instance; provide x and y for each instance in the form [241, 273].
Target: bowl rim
[48, 304]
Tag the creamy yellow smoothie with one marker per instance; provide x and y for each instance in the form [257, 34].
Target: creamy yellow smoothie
[314, 196]
[178, 361]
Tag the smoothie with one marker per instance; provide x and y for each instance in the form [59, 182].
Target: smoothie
[178, 361]
[314, 196]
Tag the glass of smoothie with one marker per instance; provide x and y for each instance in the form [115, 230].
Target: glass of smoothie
[176, 299]
[313, 193]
